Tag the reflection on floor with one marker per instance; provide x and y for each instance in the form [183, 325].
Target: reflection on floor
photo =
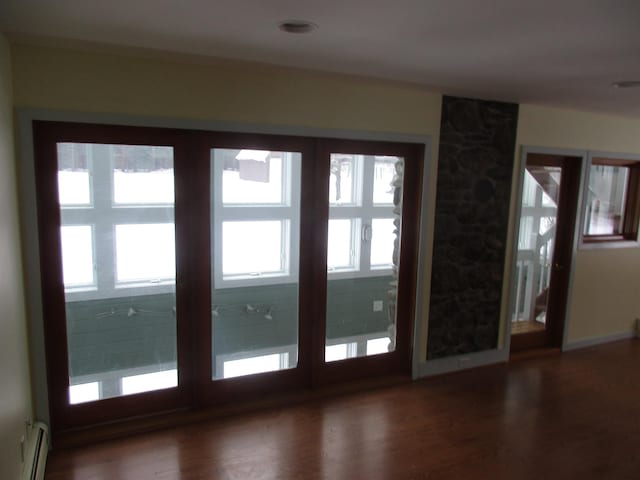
[574, 415]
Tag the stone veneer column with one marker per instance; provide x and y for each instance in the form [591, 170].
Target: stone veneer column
[477, 141]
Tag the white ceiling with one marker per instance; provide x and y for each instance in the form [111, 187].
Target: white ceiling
[555, 52]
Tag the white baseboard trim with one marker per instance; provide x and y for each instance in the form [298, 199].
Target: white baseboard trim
[593, 341]
[461, 362]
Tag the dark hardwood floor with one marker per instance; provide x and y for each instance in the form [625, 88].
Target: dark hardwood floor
[569, 416]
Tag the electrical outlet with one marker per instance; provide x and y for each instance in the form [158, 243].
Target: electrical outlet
[377, 305]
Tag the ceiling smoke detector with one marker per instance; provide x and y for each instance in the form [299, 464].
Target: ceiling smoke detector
[627, 84]
[297, 26]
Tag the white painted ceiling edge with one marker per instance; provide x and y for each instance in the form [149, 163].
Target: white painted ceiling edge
[565, 53]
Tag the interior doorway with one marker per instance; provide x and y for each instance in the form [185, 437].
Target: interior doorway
[549, 204]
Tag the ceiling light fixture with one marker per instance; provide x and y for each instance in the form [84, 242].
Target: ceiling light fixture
[627, 84]
[297, 26]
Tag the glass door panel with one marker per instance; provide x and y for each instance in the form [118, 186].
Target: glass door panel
[255, 218]
[536, 242]
[363, 254]
[117, 239]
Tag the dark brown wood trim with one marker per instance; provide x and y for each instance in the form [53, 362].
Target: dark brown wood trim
[193, 280]
[64, 415]
[562, 255]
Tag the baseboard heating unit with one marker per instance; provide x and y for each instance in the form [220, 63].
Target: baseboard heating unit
[37, 448]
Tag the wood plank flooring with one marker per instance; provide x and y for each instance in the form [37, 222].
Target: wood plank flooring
[569, 416]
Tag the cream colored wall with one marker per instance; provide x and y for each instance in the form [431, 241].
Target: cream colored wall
[226, 91]
[195, 88]
[15, 390]
[605, 299]
[137, 83]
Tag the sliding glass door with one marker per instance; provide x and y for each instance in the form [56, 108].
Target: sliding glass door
[184, 268]
[106, 201]
[371, 194]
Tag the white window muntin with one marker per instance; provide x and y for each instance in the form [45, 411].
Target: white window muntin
[288, 212]
[103, 214]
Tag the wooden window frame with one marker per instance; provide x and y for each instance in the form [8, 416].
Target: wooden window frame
[193, 264]
[631, 217]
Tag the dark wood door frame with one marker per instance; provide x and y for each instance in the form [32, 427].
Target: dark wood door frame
[566, 220]
[193, 279]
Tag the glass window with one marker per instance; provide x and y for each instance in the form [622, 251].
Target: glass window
[340, 351]
[145, 252]
[251, 365]
[255, 198]
[84, 392]
[377, 345]
[363, 251]
[118, 267]
[142, 175]
[383, 175]
[252, 177]
[77, 255]
[341, 253]
[343, 179]
[383, 238]
[148, 382]
[74, 186]
[253, 248]
[606, 200]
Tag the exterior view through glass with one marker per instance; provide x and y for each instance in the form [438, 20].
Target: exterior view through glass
[118, 258]
[363, 252]
[255, 199]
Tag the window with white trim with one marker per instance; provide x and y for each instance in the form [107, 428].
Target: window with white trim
[361, 215]
[256, 216]
[117, 219]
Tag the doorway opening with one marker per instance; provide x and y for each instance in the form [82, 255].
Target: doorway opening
[549, 203]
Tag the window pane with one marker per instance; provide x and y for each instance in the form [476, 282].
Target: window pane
[252, 177]
[333, 353]
[255, 198]
[253, 248]
[606, 200]
[383, 176]
[121, 333]
[142, 174]
[526, 235]
[383, 238]
[84, 392]
[342, 179]
[251, 365]
[341, 253]
[77, 255]
[362, 305]
[74, 187]
[145, 252]
[148, 382]
[378, 345]
[536, 239]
